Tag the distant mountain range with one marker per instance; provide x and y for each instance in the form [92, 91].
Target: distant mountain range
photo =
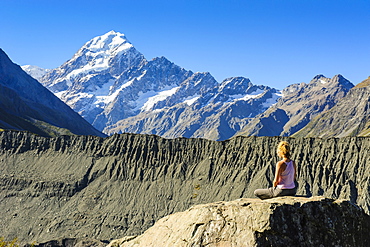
[115, 88]
[26, 105]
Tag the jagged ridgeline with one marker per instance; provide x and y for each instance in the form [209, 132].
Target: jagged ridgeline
[107, 188]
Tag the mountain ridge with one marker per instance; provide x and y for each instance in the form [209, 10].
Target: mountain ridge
[116, 89]
[27, 105]
[298, 106]
[214, 115]
[349, 117]
[104, 188]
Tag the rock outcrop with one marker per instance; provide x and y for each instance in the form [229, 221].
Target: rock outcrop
[106, 188]
[284, 221]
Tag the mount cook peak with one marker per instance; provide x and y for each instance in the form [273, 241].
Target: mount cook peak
[115, 88]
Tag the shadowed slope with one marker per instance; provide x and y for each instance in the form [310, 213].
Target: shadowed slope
[27, 105]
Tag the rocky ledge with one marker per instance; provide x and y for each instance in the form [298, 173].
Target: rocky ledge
[284, 221]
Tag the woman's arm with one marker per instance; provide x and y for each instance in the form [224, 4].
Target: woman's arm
[295, 171]
[279, 170]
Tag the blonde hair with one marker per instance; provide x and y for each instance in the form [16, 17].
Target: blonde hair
[284, 149]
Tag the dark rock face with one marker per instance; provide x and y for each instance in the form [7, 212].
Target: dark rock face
[90, 187]
[284, 221]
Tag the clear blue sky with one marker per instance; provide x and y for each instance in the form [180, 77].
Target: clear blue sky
[272, 42]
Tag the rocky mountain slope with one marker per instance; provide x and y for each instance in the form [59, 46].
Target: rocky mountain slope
[299, 104]
[216, 114]
[26, 105]
[107, 188]
[117, 90]
[284, 221]
[350, 117]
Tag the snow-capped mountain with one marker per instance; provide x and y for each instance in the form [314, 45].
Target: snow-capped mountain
[35, 71]
[95, 66]
[116, 89]
[93, 79]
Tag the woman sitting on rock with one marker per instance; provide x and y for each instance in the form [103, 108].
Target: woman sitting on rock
[285, 176]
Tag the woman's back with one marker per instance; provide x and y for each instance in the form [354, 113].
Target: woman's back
[287, 176]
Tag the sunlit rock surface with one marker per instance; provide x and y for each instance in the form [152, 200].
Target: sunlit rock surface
[284, 221]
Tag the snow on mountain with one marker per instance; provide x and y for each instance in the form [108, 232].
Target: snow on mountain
[99, 53]
[116, 89]
[107, 55]
[150, 98]
[217, 113]
[35, 71]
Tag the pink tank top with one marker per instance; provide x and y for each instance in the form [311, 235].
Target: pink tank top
[287, 177]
